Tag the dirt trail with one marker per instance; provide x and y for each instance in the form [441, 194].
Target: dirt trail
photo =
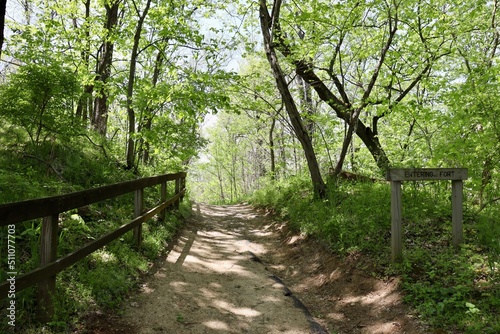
[222, 277]
[213, 282]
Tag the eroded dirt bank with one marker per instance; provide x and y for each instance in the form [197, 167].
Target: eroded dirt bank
[236, 270]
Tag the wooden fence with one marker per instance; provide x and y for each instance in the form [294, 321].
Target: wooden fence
[49, 209]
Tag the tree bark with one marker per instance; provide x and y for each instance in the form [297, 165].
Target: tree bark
[100, 116]
[130, 87]
[85, 101]
[3, 6]
[295, 119]
[271, 149]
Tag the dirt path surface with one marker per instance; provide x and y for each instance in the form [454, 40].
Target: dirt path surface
[236, 270]
[214, 282]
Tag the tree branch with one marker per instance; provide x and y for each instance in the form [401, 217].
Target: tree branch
[97, 145]
[393, 27]
[336, 81]
[275, 18]
[488, 203]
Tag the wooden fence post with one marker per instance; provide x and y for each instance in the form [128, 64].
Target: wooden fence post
[396, 222]
[163, 198]
[177, 191]
[457, 212]
[183, 186]
[48, 254]
[138, 209]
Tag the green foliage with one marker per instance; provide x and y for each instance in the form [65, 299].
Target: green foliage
[451, 290]
[104, 278]
[55, 167]
[351, 218]
[248, 142]
[177, 75]
[39, 99]
[473, 113]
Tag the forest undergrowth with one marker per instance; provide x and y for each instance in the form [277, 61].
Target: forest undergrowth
[100, 282]
[452, 291]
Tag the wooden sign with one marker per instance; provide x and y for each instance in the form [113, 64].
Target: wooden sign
[421, 174]
[396, 176]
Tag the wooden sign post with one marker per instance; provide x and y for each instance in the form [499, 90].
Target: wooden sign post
[396, 176]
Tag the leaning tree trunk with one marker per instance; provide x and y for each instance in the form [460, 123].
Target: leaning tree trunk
[291, 108]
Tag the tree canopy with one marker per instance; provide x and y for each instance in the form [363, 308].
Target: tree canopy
[344, 81]
[146, 73]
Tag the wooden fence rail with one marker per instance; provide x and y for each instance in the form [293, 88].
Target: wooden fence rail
[50, 208]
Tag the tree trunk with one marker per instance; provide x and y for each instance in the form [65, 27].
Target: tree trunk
[283, 170]
[306, 103]
[271, 149]
[85, 101]
[99, 119]
[370, 139]
[221, 185]
[347, 141]
[293, 113]
[130, 88]
[3, 6]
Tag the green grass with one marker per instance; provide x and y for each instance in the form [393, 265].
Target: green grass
[452, 291]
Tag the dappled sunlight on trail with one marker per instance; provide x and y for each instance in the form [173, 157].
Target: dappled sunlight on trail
[236, 270]
[213, 282]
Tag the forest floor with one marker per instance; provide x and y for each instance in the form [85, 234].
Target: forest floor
[234, 269]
